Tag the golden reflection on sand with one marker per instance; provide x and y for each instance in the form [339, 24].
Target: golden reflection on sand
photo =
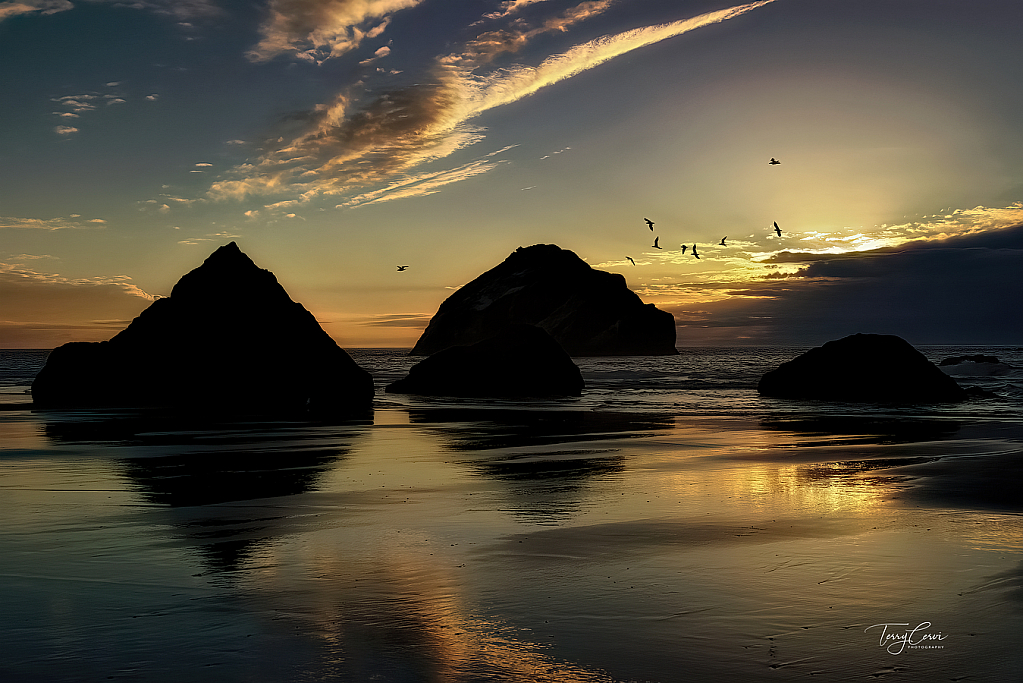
[407, 602]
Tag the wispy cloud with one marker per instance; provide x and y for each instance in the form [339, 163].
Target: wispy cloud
[14, 270]
[178, 9]
[316, 30]
[817, 244]
[77, 105]
[13, 9]
[485, 47]
[417, 321]
[347, 144]
[210, 237]
[510, 7]
[13, 223]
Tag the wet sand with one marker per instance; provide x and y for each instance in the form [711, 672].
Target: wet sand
[509, 545]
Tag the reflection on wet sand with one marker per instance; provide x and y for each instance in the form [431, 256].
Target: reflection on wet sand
[520, 545]
[542, 485]
[402, 615]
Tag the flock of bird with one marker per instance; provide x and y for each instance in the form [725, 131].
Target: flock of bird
[650, 224]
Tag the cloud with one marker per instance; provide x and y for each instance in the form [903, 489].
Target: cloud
[14, 270]
[43, 310]
[77, 103]
[822, 246]
[956, 290]
[379, 54]
[64, 130]
[485, 47]
[210, 237]
[316, 30]
[417, 321]
[152, 98]
[13, 9]
[180, 10]
[346, 145]
[510, 7]
[13, 223]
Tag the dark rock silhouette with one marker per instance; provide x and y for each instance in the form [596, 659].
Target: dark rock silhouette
[228, 339]
[588, 312]
[863, 368]
[977, 358]
[522, 360]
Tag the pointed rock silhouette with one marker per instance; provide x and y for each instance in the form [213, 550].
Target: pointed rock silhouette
[588, 312]
[227, 339]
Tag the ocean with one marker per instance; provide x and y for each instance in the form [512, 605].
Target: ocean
[668, 525]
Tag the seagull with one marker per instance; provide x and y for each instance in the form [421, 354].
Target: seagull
[773, 162]
[630, 260]
[777, 229]
[694, 252]
[655, 243]
[723, 241]
[649, 223]
[684, 247]
[401, 268]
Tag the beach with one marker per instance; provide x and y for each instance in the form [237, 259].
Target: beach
[668, 525]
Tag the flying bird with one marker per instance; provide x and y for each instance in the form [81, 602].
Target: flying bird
[655, 243]
[401, 268]
[723, 241]
[630, 260]
[694, 252]
[684, 247]
[649, 223]
[773, 162]
[777, 229]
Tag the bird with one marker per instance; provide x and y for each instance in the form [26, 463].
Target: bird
[773, 162]
[630, 260]
[694, 252]
[723, 241]
[777, 229]
[649, 223]
[655, 243]
[684, 247]
[401, 268]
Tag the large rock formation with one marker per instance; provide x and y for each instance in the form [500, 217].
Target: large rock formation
[589, 312]
[229, 338]
[521, 361]
[865, 368]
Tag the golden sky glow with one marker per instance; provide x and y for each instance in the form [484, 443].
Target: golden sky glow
[333, 139]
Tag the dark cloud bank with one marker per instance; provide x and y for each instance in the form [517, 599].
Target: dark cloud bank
[961, 290]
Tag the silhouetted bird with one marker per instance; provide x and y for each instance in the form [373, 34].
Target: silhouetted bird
[723, 241]
[694, 252]
[684, 247]
[630, 260]
[777, 229]
[649, 223]
[655, 243]
[400, 268]
[773, 162]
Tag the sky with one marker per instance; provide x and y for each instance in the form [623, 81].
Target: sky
[334, 140]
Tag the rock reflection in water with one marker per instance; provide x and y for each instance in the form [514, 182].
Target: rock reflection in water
[543, 486]
[202, 462]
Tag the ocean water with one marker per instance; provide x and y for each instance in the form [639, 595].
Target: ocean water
[668, 525]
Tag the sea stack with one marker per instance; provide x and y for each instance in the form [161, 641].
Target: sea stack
[522, 361]
[227, 339]
[588, 312]
[871, 368]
